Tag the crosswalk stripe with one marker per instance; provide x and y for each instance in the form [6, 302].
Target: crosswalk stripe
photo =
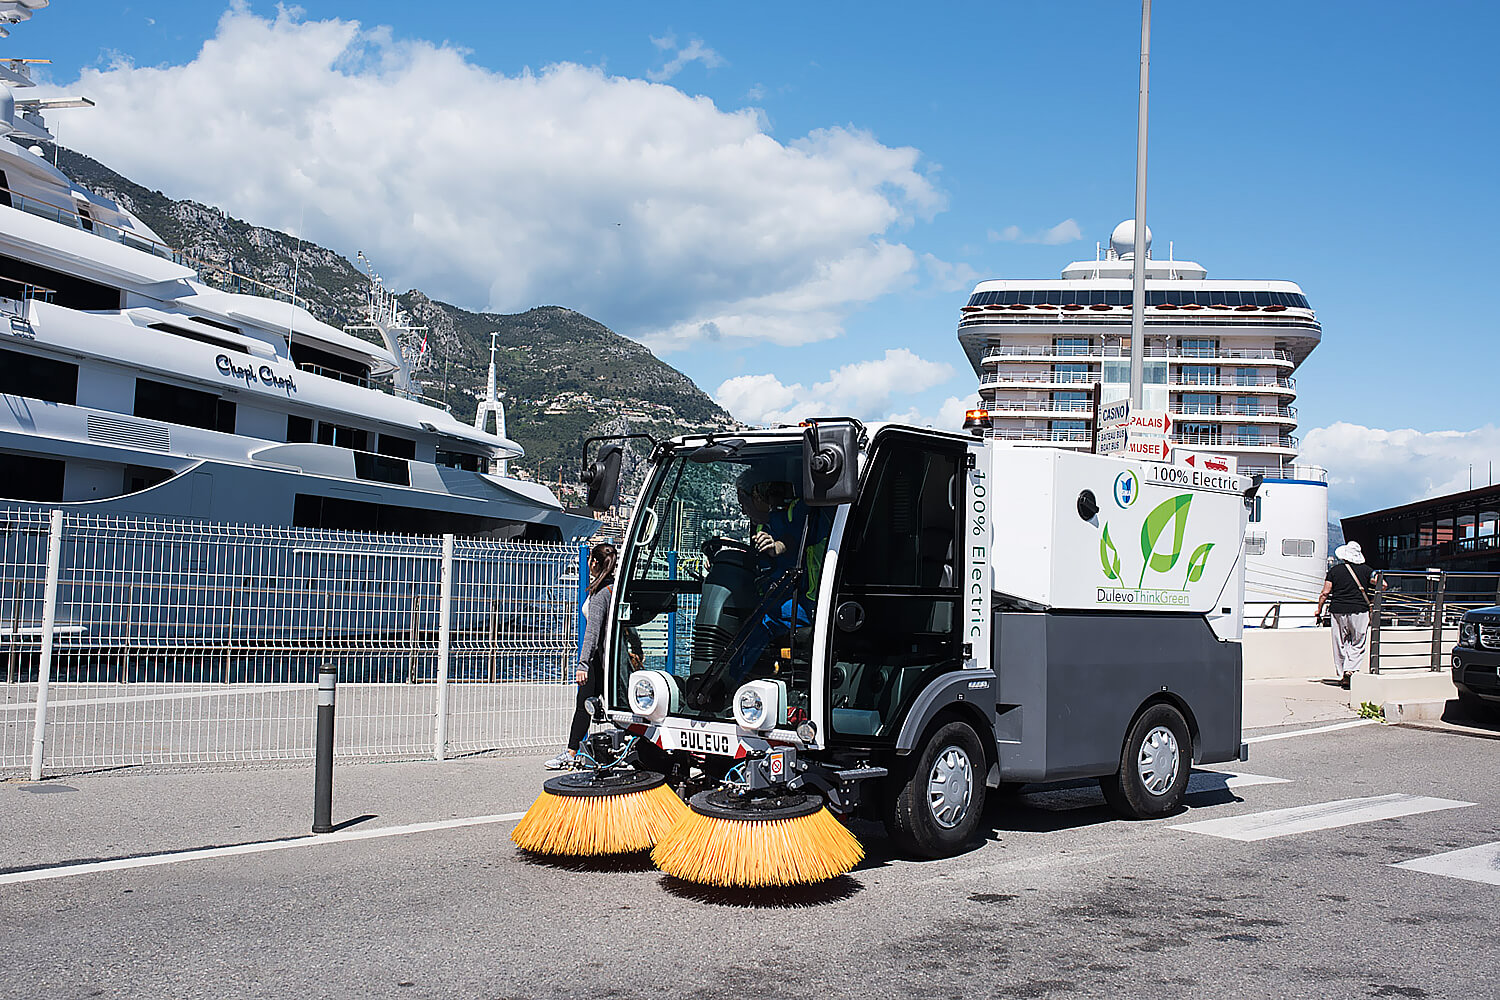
[1319, 816]
[1474, 864]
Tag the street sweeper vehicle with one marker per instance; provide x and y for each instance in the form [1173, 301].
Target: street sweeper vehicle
[835, 620]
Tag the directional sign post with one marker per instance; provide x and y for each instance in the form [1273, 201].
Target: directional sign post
[1112, 431]
[1146, 435]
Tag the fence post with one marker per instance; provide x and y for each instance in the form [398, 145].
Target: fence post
[583, 598]
[1375, 603]
[1437, 621]
[445, 613]
[49, 625]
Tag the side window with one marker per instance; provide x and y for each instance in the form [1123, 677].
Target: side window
[896, 604]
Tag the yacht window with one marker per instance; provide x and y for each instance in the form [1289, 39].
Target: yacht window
[38, 378]
[27, 477]
[1297, 547]
[4, 191]
[214, 322]
[381, 469]
[61, 289]
[343, 437]
[330, 365]
[460, 460]
[298, 429]
[398, 447]
[176, 405]
[202, 338]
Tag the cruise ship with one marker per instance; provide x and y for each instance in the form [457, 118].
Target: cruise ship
[138, 381]
[1219, 358]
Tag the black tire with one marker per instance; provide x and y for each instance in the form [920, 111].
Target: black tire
[930, 814]
[1154, 770]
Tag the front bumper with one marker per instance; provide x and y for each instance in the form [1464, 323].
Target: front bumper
[1475, 672]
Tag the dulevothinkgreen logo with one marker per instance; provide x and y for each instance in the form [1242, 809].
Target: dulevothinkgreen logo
[1161, 548]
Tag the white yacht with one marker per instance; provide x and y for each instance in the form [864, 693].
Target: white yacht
[1219, 359]
[138, 381]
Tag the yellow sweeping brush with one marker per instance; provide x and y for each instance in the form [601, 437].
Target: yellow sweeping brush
[746, 843]
[599, 812]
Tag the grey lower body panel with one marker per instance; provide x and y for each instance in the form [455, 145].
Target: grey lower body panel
[1069, 686]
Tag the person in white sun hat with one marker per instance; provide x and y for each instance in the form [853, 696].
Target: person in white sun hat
[1346, 592]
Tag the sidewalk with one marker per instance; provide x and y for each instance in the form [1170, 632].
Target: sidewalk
[1292, 701]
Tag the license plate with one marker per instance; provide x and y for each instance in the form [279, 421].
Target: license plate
[704, 741]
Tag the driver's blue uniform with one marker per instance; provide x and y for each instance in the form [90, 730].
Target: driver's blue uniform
[794, 601]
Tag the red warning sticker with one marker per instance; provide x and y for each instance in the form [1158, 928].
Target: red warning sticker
[778, 764]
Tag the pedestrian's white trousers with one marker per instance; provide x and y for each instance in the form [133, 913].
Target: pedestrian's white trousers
[1351, 633]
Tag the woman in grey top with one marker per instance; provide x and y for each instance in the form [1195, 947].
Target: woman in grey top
[590, 673]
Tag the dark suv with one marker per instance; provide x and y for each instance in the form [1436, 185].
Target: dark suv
[1475, 660]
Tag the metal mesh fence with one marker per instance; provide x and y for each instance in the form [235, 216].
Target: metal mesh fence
[180, 642]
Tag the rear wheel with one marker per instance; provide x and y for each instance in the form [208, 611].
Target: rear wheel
[1154, 766]
[939, 794]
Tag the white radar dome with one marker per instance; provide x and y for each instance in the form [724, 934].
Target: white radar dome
[1122, 240]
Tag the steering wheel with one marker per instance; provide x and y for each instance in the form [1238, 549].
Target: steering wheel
[718, 543]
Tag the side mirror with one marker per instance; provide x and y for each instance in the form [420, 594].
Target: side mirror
[601, 480]
[830, 466]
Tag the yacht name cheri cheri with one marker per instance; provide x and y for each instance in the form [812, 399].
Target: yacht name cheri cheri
[138, 381]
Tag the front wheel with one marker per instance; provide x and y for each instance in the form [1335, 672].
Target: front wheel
[1154, 766]
[939, 794]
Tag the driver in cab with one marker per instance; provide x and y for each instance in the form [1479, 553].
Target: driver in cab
[778, 521]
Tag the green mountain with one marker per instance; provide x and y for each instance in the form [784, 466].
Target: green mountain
[564, 375]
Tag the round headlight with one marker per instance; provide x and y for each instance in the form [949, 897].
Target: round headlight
[1467, 633]
[642, 696]
[752, 708]
[651, 694]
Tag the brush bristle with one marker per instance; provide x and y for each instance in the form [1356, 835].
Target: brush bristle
[757, 853]
[585, 825]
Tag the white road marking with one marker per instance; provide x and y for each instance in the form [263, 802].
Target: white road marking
[316, 840]
[1320, 816]
[1308, 732]
[1474, 864]
[1089, 796]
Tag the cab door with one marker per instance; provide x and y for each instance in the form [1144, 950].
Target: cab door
[897, 614]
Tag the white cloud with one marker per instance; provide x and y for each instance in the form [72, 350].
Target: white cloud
[949, 277]
[694, 51]
[1371, 469]
[657, 213]
[870, 390]
[1066, 231]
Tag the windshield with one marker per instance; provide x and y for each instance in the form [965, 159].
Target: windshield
[717, 582]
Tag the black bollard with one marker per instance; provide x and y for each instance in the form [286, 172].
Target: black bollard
[323, 780]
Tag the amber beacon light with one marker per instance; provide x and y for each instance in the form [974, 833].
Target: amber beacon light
[976, 422]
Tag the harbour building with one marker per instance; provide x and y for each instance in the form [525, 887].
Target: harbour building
[1220, 355]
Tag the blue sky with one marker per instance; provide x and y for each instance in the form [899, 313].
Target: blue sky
[801, 195]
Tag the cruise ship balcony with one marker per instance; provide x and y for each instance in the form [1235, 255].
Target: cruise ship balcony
[1041, 436]
[1248, 414]
[1255, 443]
[1038, 380]
[1224, 355]
[1075, 409]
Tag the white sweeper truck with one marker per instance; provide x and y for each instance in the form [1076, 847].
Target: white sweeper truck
[840, 620]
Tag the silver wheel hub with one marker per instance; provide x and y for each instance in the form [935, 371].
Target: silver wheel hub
[950, 787]
[1159, 760]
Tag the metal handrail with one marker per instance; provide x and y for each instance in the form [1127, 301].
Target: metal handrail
[1262, 354]
[210, 273]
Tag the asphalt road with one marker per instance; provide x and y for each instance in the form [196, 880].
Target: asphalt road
[1063, 900]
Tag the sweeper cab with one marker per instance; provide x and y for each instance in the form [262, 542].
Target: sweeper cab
[887, 621]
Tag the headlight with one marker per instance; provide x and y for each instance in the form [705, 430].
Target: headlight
[652, 694]
[759, 705]
[1468, 634]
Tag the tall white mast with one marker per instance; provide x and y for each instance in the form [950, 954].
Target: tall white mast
[1138, 282]
[492, 404]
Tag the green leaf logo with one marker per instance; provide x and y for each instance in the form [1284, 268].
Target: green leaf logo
[1109, 556]
[1197, 563]
[1174, 512]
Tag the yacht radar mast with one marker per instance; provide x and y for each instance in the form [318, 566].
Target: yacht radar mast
[384, 315]
[23, 118]
[491, 403]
